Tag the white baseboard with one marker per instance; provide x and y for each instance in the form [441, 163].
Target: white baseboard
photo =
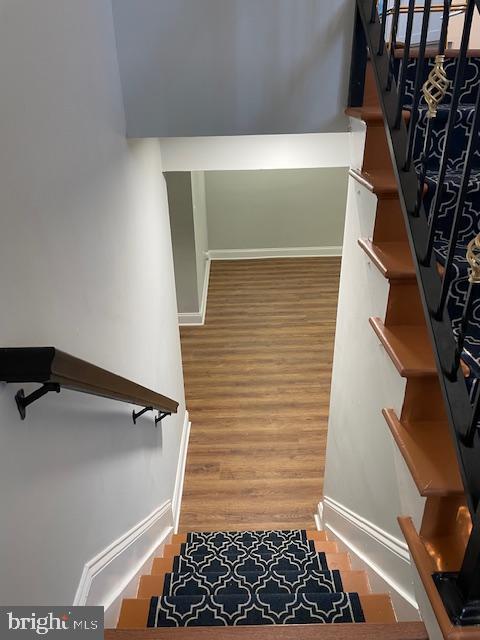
[182, 461]
[289, 252]
[382, 555]
[113, 573]
[197, 317]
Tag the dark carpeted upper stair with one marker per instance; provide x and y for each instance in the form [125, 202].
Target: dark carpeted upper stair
[470, 215]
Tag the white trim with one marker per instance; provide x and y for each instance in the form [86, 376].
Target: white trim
[288, 252]
[386, 557]
[277, 151]
[393, 544]
[198, 317]
[182, 461]
[113, 573]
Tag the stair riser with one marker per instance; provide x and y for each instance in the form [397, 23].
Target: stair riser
[404, 305]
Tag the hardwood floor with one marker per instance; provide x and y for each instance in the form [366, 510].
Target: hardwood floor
[257, 378]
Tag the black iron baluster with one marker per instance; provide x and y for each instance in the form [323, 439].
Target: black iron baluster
[393, 44]
[461, 62]
[403, 71]
[428, 129]
[358, 64]
[464, 322]
[419, 78]
[469, 577]
[444, 30]
[373, 12]
[381, 39]
[467, 170]
[473, 426]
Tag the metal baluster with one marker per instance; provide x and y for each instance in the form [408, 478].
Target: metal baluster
[358, 64]
[473, 259]
[418, 83]
[443, 31]
[393, 44]
[381, 38]
[403, 71]
[373, 12]
[428, 130]
[472, 429]
[468, 580]
[461, 61]
[467, 170]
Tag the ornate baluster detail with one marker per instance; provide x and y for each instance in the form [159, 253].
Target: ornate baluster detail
[473, 259]
[436, 86]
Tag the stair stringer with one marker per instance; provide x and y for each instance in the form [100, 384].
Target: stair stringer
[363, 472]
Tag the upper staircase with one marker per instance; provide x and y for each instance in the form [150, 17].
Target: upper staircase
[421, 109]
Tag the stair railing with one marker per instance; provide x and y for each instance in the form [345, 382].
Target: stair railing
[56, 370]
[460, 591]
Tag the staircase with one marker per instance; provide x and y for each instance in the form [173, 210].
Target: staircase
[267, 578]
[423, 165]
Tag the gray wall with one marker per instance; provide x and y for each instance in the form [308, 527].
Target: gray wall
[86, 264]
[180, 207]
[199, 205]
[276, 209]
[225, 67]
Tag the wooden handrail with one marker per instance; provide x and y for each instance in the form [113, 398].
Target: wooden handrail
[56, 369]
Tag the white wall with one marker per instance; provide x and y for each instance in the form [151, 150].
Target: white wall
[234, 153]
[86, 264]
[366, 485]
[276, 209]
[455, 30]
[234, 67]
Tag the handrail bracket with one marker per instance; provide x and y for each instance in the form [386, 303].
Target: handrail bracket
[23, 401]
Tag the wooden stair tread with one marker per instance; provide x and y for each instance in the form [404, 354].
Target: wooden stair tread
[381, 181]
[342, 631]
[393, 259]
[356, 581]
[340, 561]
[378, 608]
[150, 585]
[321, 544]
[317, 535]
[408, 347]
[369, 114]
[312, 534]
[133, 613]
[428, 451]
[328, 546]
[425, 567]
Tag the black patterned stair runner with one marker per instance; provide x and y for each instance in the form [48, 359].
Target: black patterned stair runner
[252, 578]
[470, 215]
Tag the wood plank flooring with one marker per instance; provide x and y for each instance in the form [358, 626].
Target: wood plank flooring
[257, 379]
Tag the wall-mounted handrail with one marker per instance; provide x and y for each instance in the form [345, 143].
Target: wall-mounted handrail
[55, 370]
